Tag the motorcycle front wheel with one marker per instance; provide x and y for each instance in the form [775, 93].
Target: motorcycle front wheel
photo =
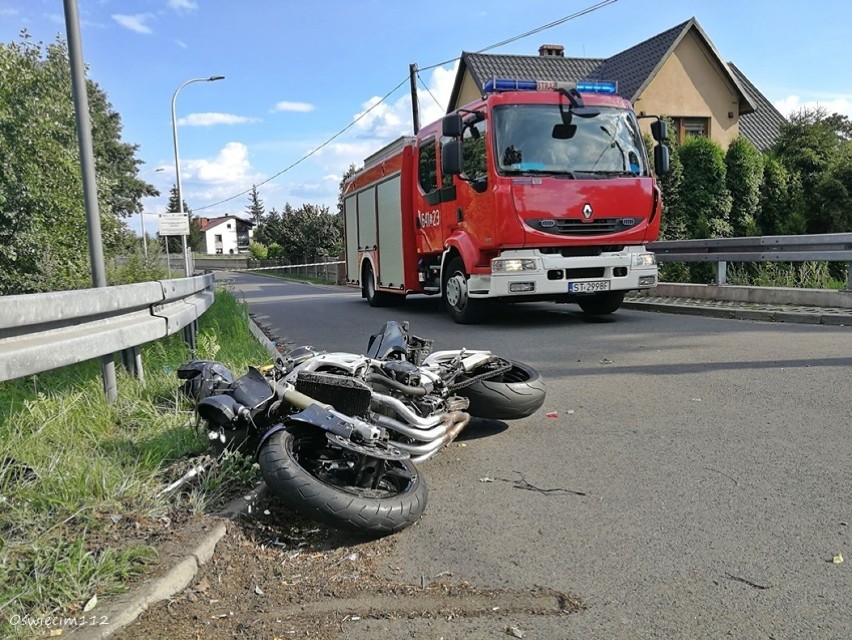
[340, 487]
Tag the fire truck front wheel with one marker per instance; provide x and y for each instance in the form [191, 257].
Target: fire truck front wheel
[460, 306]
[600, 304]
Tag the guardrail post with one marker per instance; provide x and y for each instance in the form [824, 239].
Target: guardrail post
[189, 337]
[721, 272]
[132, 360]
[849, 276]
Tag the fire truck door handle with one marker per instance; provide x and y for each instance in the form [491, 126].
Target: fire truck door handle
[459, 214]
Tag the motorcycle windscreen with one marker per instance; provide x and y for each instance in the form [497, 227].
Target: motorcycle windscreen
[390, 340]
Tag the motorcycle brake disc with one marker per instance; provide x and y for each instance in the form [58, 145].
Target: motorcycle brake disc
[380, 450]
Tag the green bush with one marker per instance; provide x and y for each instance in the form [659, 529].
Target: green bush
[704, 194]
[744, 175]
[258, 251]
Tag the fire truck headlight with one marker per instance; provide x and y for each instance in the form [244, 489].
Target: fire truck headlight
[509, 265]
[644, 260]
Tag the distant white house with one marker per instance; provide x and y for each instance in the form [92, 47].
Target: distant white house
[226, 235]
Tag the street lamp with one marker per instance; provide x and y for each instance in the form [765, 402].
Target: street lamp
[142, 220]
[177, 162]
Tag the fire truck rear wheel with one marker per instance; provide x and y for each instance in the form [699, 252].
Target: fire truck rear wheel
[600, 304]
[368, 289]
[461, 308]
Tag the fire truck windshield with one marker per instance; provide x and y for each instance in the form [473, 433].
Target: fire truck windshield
[607, 144]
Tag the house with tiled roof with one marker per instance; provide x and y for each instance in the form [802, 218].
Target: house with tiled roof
[226, 235]
[678, 73]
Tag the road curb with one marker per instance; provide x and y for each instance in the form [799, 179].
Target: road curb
[836, 317]
[125, 609]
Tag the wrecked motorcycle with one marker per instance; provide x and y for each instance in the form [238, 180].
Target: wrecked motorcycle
[337, 435]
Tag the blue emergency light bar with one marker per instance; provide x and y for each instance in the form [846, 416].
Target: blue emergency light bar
[510, 84]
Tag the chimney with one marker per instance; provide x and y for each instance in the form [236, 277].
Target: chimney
[552, 50]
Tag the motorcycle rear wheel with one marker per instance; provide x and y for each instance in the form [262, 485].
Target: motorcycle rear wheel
[317, 479]
[515, 394]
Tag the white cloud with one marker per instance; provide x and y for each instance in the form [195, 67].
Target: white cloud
[181, 44]
[210, 119]
[220, 177]
[388, 121]
[302, 107]
[182, 5]
[135, 22]
[793, 103]
[8, 12]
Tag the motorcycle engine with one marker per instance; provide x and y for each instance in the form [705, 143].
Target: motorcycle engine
[401, 371]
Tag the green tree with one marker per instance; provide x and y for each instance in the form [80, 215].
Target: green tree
[703, 194]
[351, 171]
[779, 210]
[307, 232]
[834, 192]
[744, 175]
[255, 208]
[43, 239]
[673, 225]
[808, 145]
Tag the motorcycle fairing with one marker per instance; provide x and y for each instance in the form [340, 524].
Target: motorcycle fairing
[391, 340]
[315, 416]
[221, 410]
[252, 389]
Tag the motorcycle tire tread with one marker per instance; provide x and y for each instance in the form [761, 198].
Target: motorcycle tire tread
[495, 399]
[289, 481]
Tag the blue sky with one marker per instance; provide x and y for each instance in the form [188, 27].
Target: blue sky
[297, 73]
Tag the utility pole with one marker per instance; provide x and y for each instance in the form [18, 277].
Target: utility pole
[87, 166]
[415, 109]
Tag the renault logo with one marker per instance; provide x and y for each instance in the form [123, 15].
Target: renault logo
[587, 211]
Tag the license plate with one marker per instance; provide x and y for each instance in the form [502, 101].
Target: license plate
[588, 287]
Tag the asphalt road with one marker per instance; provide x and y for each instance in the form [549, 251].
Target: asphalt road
[714, 457]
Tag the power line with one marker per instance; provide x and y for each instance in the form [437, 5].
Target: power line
[310, 153]
[428, 90]
[549, 25]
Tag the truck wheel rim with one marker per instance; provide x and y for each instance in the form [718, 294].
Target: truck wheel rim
[457, 291]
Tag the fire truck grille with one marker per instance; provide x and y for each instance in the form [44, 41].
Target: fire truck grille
[347, 395]
[574, 227]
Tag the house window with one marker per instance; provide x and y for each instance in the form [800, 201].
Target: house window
[217, 237]
[689, 127]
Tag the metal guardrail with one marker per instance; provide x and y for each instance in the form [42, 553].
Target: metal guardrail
[832, 247]
[44, 331]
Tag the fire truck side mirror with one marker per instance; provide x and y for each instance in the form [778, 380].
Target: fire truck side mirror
[661, 160]
[659, 130]
[451, 158]
[452, 126]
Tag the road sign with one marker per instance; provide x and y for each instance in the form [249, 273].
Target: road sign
[174, 224]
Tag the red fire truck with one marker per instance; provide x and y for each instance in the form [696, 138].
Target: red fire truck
[536, 191]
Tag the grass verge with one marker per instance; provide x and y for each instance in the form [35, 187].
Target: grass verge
[80, 479]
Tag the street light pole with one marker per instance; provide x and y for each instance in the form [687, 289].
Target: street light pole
[142, 220]
[177, 163]
[144, 235]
